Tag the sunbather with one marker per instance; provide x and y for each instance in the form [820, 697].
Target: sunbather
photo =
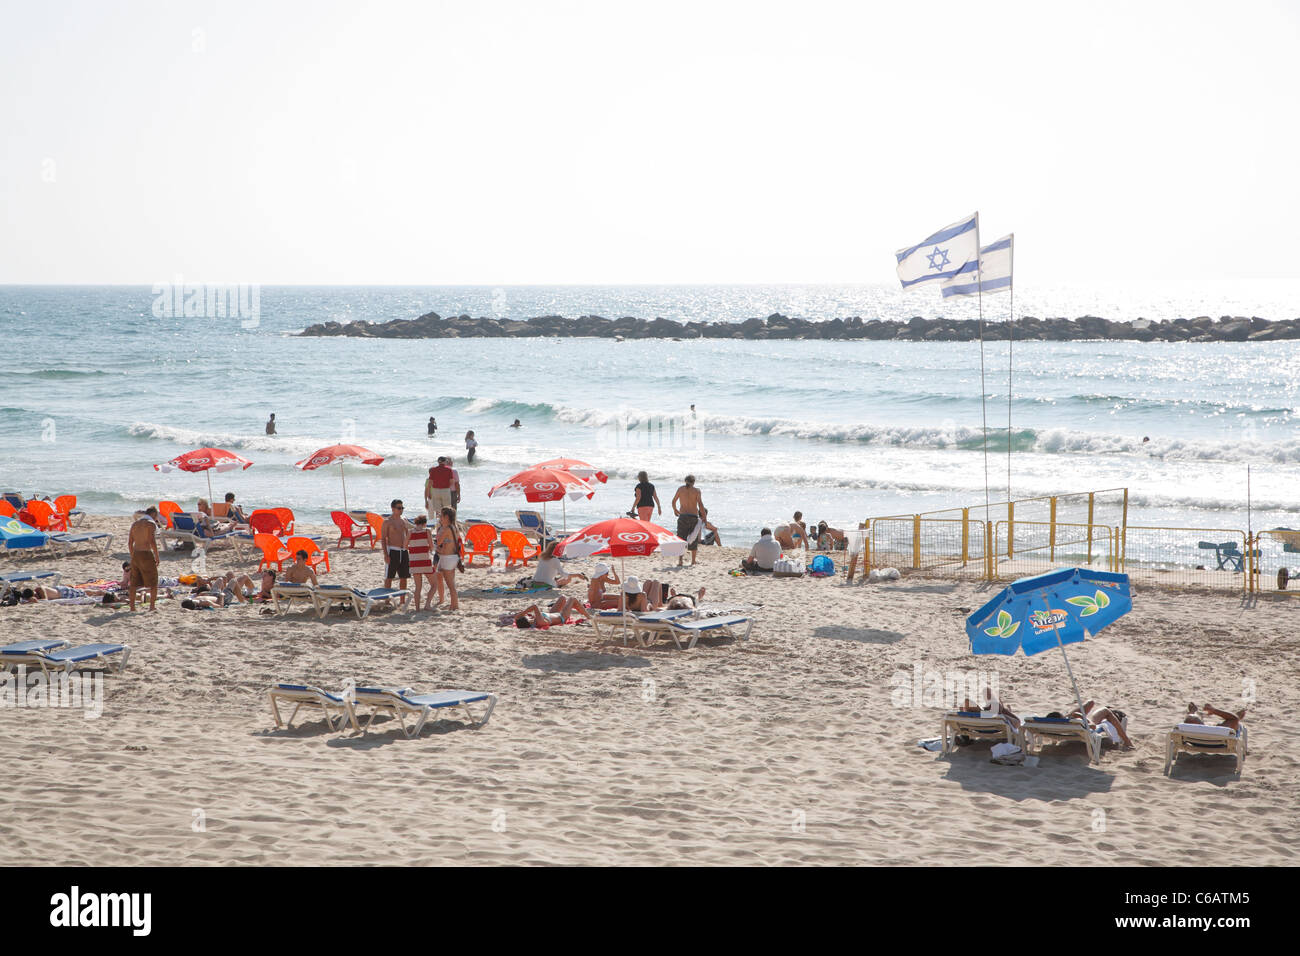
[300, 572]
[1095, 716]
[559, 612]
[990, 703]
[660, 596]
[209, 522]
[549, 570]
[596, 596]
[1226, 718]
[830, 539]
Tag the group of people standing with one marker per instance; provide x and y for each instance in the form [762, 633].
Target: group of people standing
[693, 525]
[430, 556]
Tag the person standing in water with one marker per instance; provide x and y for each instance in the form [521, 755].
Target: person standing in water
[470, 444]
[270, 424]
[433, 426]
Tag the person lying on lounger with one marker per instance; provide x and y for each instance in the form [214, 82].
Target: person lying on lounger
[1095, 716]
[1226, 718]
[660, 596]
[990, 703]
[559, 612]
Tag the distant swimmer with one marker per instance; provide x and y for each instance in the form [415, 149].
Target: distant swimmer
[270, 424]
[692, 411]
[470, 444]
[433, 426]
[516, 424]
[1145, 439]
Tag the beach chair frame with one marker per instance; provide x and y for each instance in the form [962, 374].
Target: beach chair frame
[306, 695]
[283, 596]
[403, 703]
[971, 724]
[1034, 733]
[68, 659]
[1183, 740]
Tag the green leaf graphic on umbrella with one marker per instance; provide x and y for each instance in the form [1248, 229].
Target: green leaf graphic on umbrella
[1089, 605]
[1005, 626]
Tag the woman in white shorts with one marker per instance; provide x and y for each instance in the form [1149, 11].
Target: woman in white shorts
[447, 545]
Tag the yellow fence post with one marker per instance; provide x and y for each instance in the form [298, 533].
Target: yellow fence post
[988, 551]
[1123, 533]
[1011, 524]
[916, 542]
[1051, 528]
[1091, 501]
[965, 536]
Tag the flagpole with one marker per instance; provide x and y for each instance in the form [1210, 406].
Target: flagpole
[1011, 336]
[979, 288]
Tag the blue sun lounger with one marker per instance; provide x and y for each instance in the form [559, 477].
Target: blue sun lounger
[114, 657]
[16, 580]
[404, 702]
[100, 540]
[690, 629]
[187, 527]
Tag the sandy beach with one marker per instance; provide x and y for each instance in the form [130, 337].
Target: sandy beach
[785, 749]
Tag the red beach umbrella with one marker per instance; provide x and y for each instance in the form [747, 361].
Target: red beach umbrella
[206, 460]
[621, 538]
[544, 484]
[575, 467]
[340, 454]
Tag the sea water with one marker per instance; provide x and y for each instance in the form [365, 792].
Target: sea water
[100, 384]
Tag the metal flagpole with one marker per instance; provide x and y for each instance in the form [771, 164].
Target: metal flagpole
[1011, 335]
[979, 287]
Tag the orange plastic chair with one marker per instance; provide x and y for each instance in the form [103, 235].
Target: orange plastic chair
[64, 505]
[273, 552]
[167, 509]
[44, 517]
[7, 510]
[264, 521]
[376, 523]
[286, 518]
[520, 548]
[350, 529]
[316, 555]
[480, 538]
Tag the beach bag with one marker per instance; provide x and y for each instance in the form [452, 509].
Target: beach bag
[823, 565]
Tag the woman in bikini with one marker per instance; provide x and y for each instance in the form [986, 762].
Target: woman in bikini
[447, 544]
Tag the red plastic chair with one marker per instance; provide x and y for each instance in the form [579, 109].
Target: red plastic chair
[44, 517]
[286, 518]
[520, 548]
[480, 538]
[316, 555]
[7, 510]
[64, 505]
[167, 509]
[376, 523]
[273, 552]
[350, 529]
[266, 522]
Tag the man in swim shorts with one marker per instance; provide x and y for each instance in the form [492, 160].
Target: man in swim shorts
[688, 506]
[395, 536]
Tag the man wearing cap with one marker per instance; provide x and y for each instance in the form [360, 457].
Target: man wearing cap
[596, 595]
[438, 487]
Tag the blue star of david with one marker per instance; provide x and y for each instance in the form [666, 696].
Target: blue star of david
[938, 266]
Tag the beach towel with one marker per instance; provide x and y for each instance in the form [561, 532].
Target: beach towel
[420, 548]
[511, 591]
[1008, 755]
[688, 529]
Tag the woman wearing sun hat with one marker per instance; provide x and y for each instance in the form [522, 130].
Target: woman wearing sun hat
[596, 596]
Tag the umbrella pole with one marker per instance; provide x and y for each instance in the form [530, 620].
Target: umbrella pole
[622, 595]
[1059, 643]
[208, 472]
[345, 486]
[564, 510]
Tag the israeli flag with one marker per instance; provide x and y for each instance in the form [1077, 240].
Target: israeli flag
[993, 275]
[941, 256]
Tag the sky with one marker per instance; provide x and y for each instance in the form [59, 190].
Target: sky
[540, 142]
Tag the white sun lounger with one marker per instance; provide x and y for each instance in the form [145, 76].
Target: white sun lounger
[689, 629]
[336, 708]
[1036, 731]
[972, 724]
[608, 623]
[114, 657]
[283, 596]
[328, 596]
[1206, 739]
[101, 540]
[401, 702]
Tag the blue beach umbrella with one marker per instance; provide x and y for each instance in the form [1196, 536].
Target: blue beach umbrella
[1049, 610]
